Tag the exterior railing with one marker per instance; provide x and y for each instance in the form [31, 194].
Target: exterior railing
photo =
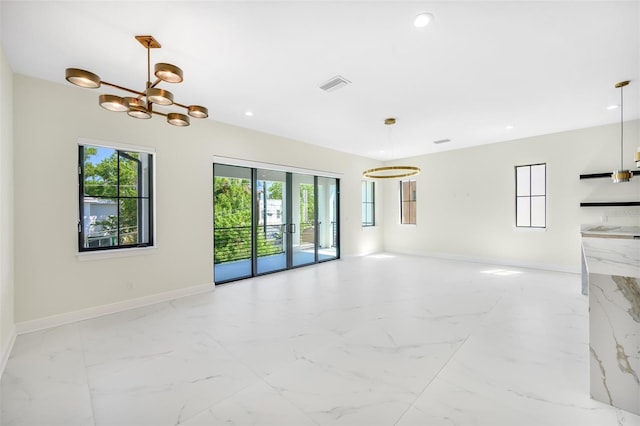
[234, 243]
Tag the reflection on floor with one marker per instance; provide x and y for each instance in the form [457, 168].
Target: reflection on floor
[376, 340]
[242, 268]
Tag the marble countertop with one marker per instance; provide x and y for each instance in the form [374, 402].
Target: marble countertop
[610, 231]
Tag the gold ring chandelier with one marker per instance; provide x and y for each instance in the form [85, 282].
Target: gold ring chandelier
[391, 172]
[141, 105]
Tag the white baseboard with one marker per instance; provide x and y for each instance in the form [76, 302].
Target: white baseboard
[6, 350]
[503, 262]
[97, 311]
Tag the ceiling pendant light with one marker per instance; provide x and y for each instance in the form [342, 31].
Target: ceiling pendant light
[141, 106]
[621, 175]
[391, 172]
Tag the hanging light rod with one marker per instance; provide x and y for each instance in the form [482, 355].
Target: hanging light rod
[391, 172]
[141, 105]
[622, 174]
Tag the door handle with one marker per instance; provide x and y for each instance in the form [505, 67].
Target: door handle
[292, 228]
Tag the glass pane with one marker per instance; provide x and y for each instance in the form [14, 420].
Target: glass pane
[408, 212]
[303, 208]
[538, 206]
[328, 218]
[405, 190]
[413, 190]
[100, 167]
[523, 180]
[271, 220]
[538, 179]
[232, 202]
[146, 163]
[100, 222]
[130, 167]
[523, 212]
[128, 221]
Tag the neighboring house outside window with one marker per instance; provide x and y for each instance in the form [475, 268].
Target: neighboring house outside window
[115, 198]
[368, 203]
[408, 202]
[531, 196]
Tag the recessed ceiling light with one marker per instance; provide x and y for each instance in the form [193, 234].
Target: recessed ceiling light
[422, 20]
[612, 107]
[249, 114]
[509, 127]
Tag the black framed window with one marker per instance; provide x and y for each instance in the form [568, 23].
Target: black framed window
[408, 202]
[115, 198]
[531, 196]
[368, 203]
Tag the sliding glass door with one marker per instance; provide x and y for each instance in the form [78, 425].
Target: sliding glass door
[302, 231]
[232, 213]
[269, 220]
[327, 202]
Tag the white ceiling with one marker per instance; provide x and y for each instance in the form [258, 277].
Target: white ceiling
[540, 67]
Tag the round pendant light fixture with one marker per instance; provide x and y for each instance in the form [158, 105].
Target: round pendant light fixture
[622, 174]
[391, 172]
[141, 106]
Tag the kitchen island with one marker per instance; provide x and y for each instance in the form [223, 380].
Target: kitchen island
[612, 255]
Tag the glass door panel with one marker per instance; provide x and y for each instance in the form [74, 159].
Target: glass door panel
[271, 221]
[327, 218]
[303, 229]
[232, 211]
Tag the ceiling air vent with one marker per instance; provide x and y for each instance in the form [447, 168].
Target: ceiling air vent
[334, 84]
[442, 141]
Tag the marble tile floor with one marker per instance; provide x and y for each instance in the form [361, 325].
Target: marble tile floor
[375, 340]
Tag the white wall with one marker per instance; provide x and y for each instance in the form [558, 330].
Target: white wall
[466, 198]
[7, 327]
[49, 277]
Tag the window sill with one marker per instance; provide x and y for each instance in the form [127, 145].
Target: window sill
[113, 254]
[528, 229]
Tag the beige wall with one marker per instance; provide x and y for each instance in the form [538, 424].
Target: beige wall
[466, 198]
[49, 277]
[6, 208]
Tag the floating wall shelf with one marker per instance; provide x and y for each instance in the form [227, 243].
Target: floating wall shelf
[611, 204]
[605, 175]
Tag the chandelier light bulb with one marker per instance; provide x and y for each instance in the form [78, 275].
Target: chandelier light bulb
[113, 103]
[82, 78]
[177, 119]
[169, 73]
[159, 96]
[137, 108]
[197, 111]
